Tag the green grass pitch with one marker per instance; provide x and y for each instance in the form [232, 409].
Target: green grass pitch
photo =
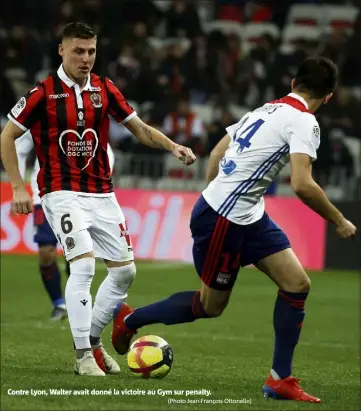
[229, 356]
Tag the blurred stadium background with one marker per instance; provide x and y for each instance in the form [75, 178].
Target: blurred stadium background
[191, 68]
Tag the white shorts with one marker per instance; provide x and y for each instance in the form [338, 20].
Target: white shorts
[84, 223]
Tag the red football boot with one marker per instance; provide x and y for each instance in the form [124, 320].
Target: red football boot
[286, 389]
[121, 335]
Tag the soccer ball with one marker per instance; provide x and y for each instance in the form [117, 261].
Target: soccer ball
[150, 357]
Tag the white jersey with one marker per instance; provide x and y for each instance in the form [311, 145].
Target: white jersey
[261, 143]
[24, 145]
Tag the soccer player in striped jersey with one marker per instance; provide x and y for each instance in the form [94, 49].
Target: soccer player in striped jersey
[231, 229]
[44, 236]
[68, 116]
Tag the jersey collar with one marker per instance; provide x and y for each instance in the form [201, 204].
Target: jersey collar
[299, 98]
[70, 83]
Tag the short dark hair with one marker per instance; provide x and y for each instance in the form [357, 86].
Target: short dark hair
[78, 30]
[316, 76]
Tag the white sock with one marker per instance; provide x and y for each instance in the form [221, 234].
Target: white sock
[79, 301]
[275, 376]
[112, 291]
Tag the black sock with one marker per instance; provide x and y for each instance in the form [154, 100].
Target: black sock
[179, 308]
[287, 320]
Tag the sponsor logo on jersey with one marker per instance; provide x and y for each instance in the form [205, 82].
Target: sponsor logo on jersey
[223, 278]
[19, 107]
[316, 132]
[75, 145]
[228, 166]
[96, 100]
[56, 96]
[95, 88]
[316, 135]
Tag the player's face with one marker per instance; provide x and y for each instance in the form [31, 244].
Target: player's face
[78, 56]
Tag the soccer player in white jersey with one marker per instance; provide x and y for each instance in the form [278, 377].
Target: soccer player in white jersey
[231, 229]
[44, 236]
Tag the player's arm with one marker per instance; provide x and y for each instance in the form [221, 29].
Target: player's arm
[152, 137]
[23, 145]
[147, 135]
[21, 199]
[314, 197]
[215, 157]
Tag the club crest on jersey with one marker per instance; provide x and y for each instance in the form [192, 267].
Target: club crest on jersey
[96, 100]
[228, 166]
[70, 243]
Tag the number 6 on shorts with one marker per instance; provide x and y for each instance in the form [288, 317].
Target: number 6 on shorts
[66, 224]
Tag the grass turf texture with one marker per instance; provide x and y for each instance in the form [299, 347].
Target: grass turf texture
[229, 356]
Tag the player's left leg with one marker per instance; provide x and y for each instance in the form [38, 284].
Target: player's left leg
[269, 249]
[112, 243]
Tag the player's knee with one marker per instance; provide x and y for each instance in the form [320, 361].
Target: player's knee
[83, 269]
[304, 285]
[299, 284]
[123, 276]
[47, 254]
[214, 309]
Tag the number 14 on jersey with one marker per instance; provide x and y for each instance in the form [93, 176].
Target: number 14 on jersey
[248, 133]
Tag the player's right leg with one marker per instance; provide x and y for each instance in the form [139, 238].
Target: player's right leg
[70, 217]
[268, 248]
[216, 258]
[48, 266]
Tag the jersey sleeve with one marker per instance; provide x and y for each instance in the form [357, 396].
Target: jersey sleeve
[304, 136]
[26, 111]
[118, 105]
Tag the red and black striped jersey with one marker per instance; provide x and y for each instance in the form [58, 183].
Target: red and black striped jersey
[70, 129]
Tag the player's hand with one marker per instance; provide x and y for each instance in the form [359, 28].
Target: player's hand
[345, 229]
[22, 202]
[184, 154]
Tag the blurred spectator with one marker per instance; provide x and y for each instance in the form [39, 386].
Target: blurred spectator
[200, 80]
[217, 129]
[132, 76]
[343, 112]
[144, 47]
[182, 19]
[335, 45]
[7, 95]
[231, 10]
[342, 160]
[173, 71]
[185, 127]
[258, 11]
[24, 51]
[235, 71]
